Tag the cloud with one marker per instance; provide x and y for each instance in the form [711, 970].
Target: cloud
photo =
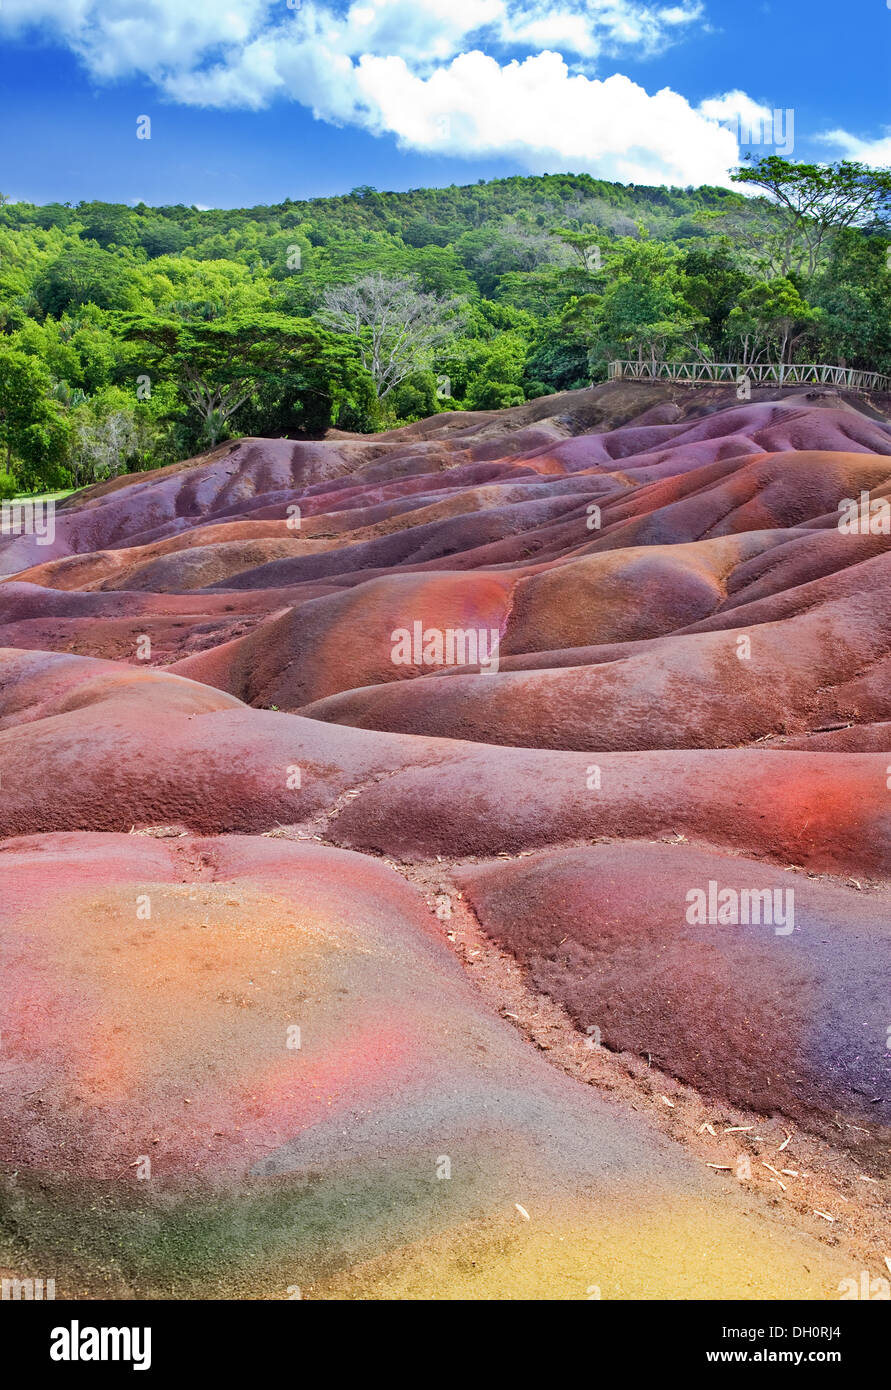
[539, 113]
[117, 38]
[736, 109]
[598, 26]
[874, 152]
[422, 30]
[467, 78]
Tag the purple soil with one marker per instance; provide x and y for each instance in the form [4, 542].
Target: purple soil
[784, 1018]
[693, 683]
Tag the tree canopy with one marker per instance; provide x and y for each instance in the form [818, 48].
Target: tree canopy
[140, 335]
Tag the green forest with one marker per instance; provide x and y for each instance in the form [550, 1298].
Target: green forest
[136, 336]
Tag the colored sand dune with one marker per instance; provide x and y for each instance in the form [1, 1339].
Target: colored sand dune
[600, 679]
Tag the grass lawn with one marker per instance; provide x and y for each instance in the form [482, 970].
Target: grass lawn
[43, 496]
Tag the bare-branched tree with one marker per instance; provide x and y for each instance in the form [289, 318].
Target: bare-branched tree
[395, 324]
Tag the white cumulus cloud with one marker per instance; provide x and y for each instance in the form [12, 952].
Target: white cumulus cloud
[736, 108]
[874, 152]
[469, 78]
[540, 113]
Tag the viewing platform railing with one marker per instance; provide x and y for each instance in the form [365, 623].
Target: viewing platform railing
[758, 373]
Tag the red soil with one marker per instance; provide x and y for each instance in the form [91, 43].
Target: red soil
[692, 685]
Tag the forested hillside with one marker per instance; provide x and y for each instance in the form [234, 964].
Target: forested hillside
[135, 335]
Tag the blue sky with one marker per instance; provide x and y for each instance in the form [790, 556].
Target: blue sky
[252, 101]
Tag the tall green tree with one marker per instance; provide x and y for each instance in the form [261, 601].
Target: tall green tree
[818, 200]
[854, 295]
[85, 276]
[770, 320]
[34, 432]
[221, 365]
[642, 312]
